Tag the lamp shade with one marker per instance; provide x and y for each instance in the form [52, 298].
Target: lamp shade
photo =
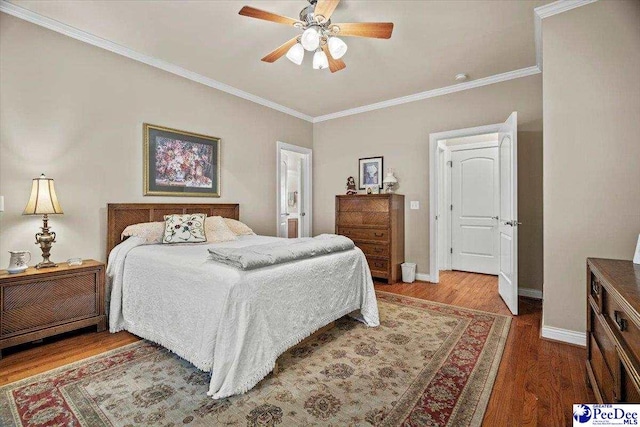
[337, 47]
[296, 54]
[390, 179]
[320, 61]
[43, 199]
[310, 39]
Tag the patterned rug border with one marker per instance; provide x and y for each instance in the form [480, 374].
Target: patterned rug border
[503, 336]
[441, 304]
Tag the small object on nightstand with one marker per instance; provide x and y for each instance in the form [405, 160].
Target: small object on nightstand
[74, 261]
[19, 261]
[43, 201]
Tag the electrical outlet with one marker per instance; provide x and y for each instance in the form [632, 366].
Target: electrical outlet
[415, 204]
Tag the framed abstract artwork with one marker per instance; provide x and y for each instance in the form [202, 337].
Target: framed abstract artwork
[179, 163]
[370, 172]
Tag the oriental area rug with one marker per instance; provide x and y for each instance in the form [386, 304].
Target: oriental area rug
[428, 364]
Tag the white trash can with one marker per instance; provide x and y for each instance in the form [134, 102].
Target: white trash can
[408, 272]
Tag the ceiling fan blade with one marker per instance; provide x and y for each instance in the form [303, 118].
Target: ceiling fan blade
[252, 12]
[334, 64]
[325, 8]
[282, 50]
[377, 30]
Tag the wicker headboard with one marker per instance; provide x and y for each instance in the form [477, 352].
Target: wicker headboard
[121, 215]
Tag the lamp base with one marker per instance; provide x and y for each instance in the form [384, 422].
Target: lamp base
[45, 239]
[47, 264]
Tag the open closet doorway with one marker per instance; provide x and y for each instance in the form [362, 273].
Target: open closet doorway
[473, 204]
[293, 191]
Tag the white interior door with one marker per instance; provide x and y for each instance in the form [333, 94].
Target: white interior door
[301, 199]
[283, 214]
[475, 200]
[294, 160]
[508, 228]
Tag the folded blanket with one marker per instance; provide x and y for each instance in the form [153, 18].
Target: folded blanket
[257, 256]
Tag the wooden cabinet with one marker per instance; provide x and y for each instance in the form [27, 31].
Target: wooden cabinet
[40, 303]
[613, 330]
[375, 222]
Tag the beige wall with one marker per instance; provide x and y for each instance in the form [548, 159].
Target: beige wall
[401, 135]
[591, 149]
[75, 112]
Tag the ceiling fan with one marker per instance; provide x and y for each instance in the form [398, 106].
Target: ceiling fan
[319, 34]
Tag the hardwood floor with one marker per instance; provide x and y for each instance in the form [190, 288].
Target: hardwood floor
[537, 383]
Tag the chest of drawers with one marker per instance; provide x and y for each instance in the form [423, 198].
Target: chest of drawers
[613, 330]
[375, 222]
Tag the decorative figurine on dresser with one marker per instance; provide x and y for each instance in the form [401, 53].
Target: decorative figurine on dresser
[351, 186]
[375, 223]
[613, 330]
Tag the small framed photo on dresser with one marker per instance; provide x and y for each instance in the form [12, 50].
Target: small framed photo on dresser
[179, 163]
[370, 172]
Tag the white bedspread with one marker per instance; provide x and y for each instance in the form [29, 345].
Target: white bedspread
[231, 322]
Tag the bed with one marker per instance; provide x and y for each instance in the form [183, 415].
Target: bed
[230, 322]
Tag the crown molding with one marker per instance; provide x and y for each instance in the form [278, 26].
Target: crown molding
[496, 78]
[551, 9]
[67, 30]
[540, 13]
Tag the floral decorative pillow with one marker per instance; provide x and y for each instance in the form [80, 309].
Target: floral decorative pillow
[217, 230]
[187, 228]
[238, 227]
[151, 232]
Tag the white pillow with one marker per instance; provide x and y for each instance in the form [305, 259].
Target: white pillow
[238, 227]
[187, 228]
[217, 230]
[151, 232]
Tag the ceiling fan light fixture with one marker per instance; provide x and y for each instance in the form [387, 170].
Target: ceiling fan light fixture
[296, 54]
[310, 39]
[337, 47]
[320, 60]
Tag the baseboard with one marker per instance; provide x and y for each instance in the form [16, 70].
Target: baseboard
[564, 335]
[530, 293]
[424, 277]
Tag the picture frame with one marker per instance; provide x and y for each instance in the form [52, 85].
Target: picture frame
[370, 170]
[180, 163]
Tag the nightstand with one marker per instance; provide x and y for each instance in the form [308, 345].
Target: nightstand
[41, 303]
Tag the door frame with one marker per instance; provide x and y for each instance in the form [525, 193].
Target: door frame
[446, 222]
[307, 154]
[434, 169]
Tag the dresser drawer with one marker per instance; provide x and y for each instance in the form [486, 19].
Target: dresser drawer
[378, 265]
[363, 218]
[630, 391]
[620, 323]
[33, 304]
[374, 249]
[606, 385]
[376, 234]
[363, 204]
[606, 345]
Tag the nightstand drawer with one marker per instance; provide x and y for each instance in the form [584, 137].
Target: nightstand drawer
[31, 305]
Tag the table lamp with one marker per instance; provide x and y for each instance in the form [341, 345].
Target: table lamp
[389, 182]
[43, 201]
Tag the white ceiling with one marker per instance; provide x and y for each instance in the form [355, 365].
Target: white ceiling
[432, 42]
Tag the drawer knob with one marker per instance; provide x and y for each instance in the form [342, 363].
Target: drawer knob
[620, 321]
[595, 287]
[378, 234]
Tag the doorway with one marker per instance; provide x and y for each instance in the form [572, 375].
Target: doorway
[469, 194]
[473, 222]
[294, 189]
